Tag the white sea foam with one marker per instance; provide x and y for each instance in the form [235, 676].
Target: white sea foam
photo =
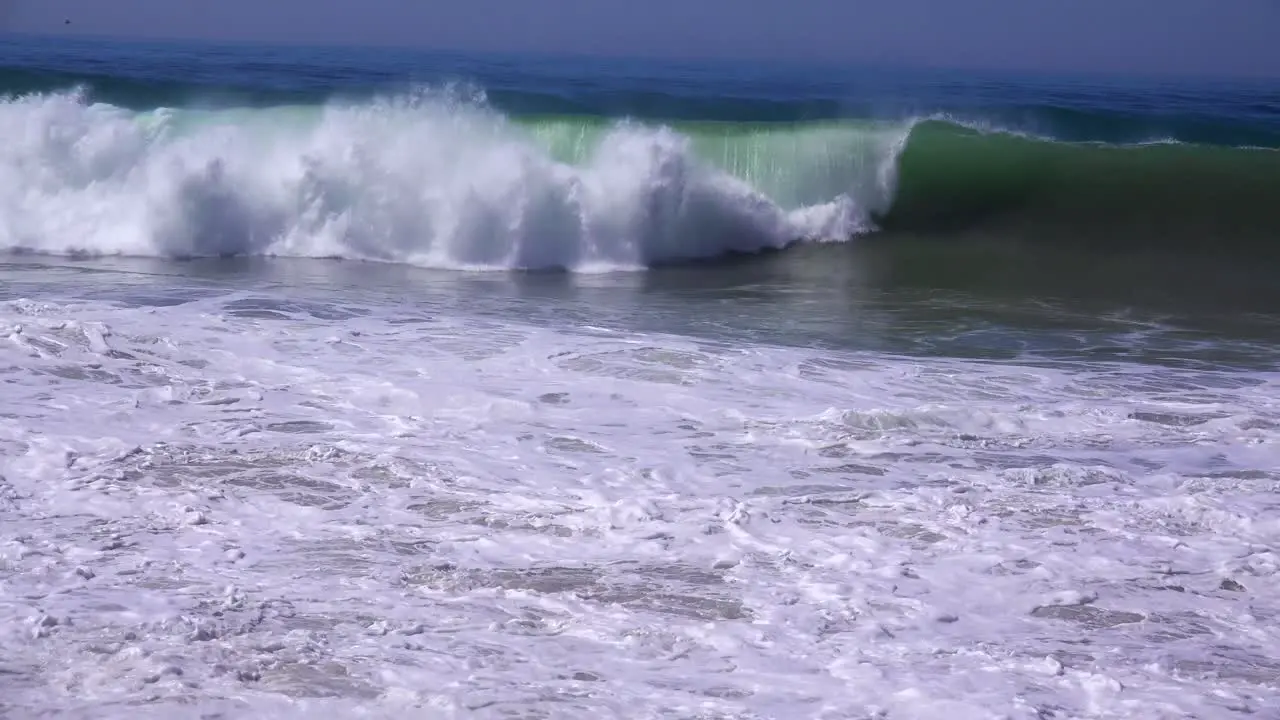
[289, 506]
[428, 179]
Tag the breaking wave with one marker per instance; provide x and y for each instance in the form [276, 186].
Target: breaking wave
[440, 178]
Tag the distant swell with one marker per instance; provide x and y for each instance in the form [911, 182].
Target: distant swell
[439, 178]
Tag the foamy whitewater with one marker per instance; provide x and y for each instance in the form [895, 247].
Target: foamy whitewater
[301, 503]
[434, 179]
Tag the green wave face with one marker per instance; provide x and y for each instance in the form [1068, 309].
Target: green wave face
[940, 178]
[957, 181]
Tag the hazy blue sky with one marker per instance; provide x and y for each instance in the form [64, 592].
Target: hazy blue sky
[1235, 37]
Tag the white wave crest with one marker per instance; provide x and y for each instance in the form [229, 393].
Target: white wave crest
[425, 179]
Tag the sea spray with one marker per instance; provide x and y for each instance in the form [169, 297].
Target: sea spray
[428, 179]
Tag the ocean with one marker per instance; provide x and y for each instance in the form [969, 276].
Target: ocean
[395, 384]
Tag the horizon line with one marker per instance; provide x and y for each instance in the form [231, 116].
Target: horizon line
[815, 62]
